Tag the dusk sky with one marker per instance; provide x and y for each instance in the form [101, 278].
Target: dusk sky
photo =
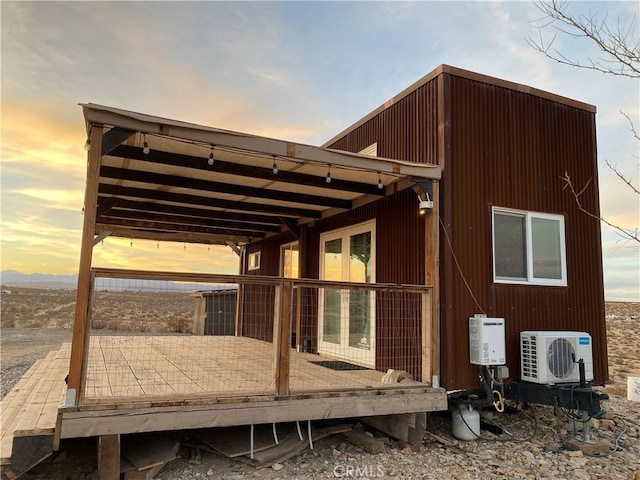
[298, 71]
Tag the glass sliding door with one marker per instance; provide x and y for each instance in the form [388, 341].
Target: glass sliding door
[347, 316]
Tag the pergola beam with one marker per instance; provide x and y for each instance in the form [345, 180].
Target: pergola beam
[194, 212]
[128, 174]
[221, 166]
[97, 114]
[164, 219]
[183, 198]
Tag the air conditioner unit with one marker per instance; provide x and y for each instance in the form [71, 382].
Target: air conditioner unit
[550, 357]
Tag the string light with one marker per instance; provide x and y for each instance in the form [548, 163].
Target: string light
[329, 174]
[380, 184]
[87, 144]
[145, 145]
[275, 167]
[211, 159]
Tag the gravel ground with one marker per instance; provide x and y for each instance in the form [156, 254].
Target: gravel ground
[540, 453]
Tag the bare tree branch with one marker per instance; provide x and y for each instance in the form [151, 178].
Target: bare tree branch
[631, 126]
[568, 184]
[620, 44]
[622, 177]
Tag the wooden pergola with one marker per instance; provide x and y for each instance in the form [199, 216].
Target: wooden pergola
[159, 179]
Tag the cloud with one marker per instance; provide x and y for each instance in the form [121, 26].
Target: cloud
[296, 71]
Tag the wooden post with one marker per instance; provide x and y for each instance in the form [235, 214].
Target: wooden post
[426, 337]
[432, 278]
[240, 292]
[79, 346]
[282, 337]
[109, 457]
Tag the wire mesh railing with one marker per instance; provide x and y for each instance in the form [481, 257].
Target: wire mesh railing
[160, 335]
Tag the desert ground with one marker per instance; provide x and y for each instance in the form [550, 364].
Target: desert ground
[36, 321]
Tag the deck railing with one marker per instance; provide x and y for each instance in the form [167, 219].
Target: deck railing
[169, 336]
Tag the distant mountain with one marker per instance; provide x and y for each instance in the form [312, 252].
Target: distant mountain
[41, 280]
[13, 278]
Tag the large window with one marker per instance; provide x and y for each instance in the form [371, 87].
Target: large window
[289, 259]
[529, 248]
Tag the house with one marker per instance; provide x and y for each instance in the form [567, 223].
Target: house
[512, 241]
[365, 255]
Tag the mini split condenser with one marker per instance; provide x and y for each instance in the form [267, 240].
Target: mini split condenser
[549, 357]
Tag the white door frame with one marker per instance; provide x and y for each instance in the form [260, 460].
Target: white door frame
[343, 350]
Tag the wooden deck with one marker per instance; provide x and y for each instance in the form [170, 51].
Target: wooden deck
[30, 410]
[162, 383]
[161, 366]
[155, 383]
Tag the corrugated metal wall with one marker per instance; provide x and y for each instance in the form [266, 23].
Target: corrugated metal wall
[405, 131]
[504, 148]
[510, 149]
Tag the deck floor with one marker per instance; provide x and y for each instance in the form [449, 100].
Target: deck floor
[31, 407]
[138, 366]
[156, 383]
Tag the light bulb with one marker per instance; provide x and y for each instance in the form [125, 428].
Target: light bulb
[145, 145]
[275, 167]
[87, 144]
[211, 159]
[380, 184]
[329, 175]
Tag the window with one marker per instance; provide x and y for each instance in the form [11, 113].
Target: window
[370, 150]
[528, 248]
[254, 261]
[289, 255]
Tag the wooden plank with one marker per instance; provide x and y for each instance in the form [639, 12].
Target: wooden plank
[92, 423]
[16, 399]
[425, 328]
[30, 409]
[248, 279]
[435, 292]
[277, 452]
[147, 451]
[408, 427]
[109, 457]
[265, 146]
[235, 441]
[81, 318]
[27, 453]
[147, 474]
[293, 446]
[360, 439]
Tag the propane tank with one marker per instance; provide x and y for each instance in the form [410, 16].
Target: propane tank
[465, 423]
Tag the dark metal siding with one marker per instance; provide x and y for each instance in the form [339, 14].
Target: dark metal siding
[509, 149]
[258, 300]
[505, 148]
[407, 130]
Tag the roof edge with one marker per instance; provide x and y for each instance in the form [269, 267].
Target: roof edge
[467, 74]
